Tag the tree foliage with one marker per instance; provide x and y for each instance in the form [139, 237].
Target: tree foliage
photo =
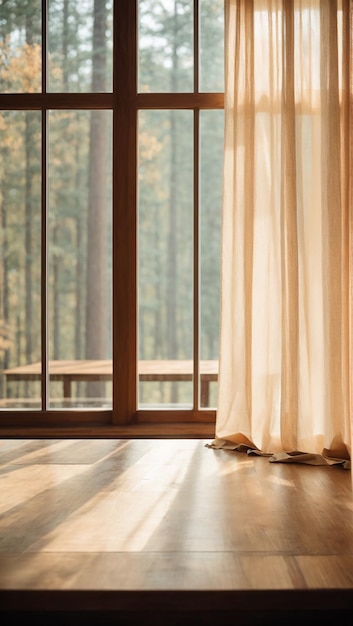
[79, 187]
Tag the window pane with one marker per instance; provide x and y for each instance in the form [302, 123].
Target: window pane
[80, 45]
[165, 236]
[20, 265]
[165, 46]
[211, 162]
[80, 258]
[211, 45]
[20, 46]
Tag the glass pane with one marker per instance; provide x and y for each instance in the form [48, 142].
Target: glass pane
[80, 337]
[165, 236]
[20, 46]
[166, 46]
[20, 263]
[80, 45]
[211, 164]
[212, 45]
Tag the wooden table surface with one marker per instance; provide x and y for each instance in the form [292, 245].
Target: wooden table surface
[69, 371]
[160, 369]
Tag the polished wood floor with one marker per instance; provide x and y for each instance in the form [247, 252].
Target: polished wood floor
[168, 531]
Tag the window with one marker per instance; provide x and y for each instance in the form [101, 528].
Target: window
[111, 123]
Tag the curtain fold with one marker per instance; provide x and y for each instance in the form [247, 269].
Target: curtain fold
[284, 367]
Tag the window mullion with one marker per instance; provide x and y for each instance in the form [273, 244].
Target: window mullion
[44, 220]
[44, 45]
[196, 294]
[44, 264]
[196, 46]
[196, 287]
[124, 212]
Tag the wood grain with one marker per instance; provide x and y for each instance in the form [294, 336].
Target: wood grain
[143, 516]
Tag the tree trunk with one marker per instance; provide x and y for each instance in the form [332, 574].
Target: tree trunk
[172, 246]
[65, 45]
[4, 298]
[96, 298]
[56, 294]
[56, 228]
[28, 235]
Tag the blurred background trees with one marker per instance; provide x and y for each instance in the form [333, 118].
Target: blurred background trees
[79, 188]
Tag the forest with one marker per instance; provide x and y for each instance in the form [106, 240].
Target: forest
[79, 192]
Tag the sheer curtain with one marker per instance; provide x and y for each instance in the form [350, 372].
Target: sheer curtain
[284, 377]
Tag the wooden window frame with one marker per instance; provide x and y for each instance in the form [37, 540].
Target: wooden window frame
[125, 418]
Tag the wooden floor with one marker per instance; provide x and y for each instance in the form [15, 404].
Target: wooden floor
[170, 532]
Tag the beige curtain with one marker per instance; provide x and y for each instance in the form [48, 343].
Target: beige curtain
[284, 378]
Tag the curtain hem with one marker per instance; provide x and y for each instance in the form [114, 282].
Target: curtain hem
[240, 443]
